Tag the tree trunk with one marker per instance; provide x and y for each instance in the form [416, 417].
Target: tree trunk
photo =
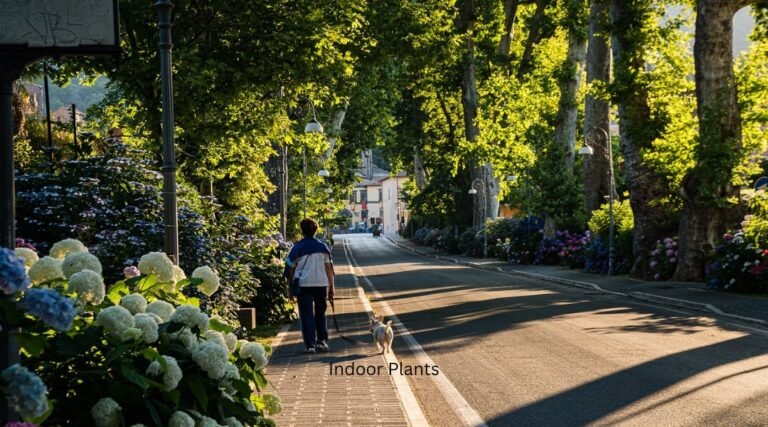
[707, 210]
[510, 15]
[534, 37]
[418, 170]
[638, 129]
[597, 111]
[338, 120]
[565, 131]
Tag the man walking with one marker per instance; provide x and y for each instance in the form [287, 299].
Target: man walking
[310, 262]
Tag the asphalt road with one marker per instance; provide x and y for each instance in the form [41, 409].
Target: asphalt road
[527, 353]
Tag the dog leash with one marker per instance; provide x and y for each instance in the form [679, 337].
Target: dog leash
[336, 325]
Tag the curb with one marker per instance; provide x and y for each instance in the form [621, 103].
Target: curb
[676, 302]
[657, 299]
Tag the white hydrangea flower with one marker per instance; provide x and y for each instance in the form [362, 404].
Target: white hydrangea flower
[89, 286]
[161, 308]
[171, 376]
[138, 425]
[28, 255]
[157, 263]
[210, 280]
[76, 262]
[181, 419]
[131, 334]
[231, 340]
[45, 269]
[178, 274]
[191, 316]
[255, 352]
[232, 422]
[65, 247]
[147, 322]
[217, 337]
[231, 372]
[106, 413]
[135, 303]
[115, 320]
[212, 358]
[185, 336]
[206, 422]
[272, 403]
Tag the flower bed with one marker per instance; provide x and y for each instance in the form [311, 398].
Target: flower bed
[738, 265]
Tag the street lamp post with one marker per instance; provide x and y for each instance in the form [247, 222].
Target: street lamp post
[170, 210]
[473, 191]
[587, 150]
[313, 126]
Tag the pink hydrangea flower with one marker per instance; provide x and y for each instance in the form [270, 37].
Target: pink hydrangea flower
[131, 271]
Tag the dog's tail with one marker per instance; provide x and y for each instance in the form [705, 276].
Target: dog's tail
[389, 323]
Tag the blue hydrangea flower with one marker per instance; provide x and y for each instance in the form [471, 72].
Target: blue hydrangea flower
[26, 391]
[54, 309]
[13, 275]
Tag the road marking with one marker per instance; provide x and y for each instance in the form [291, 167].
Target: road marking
[465, 412]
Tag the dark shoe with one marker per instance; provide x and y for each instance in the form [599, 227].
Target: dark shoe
[310, 350]
[322, 347]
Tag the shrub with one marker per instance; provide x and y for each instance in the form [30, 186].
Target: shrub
[471, 242]
[420, 235]
[526, 237]
[738, 265]
[624, 224]
[663, 258]
[140, 353]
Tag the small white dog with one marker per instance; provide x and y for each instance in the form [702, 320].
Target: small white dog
[382, 334]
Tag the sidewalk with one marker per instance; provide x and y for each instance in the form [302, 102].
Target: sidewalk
[686, 295]
[311, 394]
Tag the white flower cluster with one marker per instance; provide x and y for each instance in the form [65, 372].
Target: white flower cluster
[191, 316]
[217, 337]
[106, 413]
[157, 263]
[178, 274]
[185, 336]
[171, 376]
[47, 268]
[207, 422]
[148, 323]
[89, 285]
[181, 419]
[118, 323]
[162, 309]
[231, 341]
[28, 255]
[255, 352]
[210, 280]
[76, 262]
[65, 247]
[135, 303]
[212, 358]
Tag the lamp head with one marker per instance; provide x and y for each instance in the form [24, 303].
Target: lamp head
[324, 173]
[511, 178]
[472, 191]
[586, 150]
[313, 126]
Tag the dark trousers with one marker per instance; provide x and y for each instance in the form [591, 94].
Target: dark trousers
[312, 307]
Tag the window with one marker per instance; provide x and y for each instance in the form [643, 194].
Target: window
[381, 194]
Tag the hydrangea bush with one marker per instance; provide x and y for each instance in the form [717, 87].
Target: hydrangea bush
[663, 258]
[140, 353]
[111, 203]
[738, 265]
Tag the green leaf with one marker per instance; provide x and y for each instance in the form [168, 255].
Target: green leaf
[174, 396]
[31, 344]
[170, 327]
[117, 291]
[198, 390]
[242, 387]
[261, 380]
[218, 325]
[146, 283]
[153, 412]
[115, 353]
[131, 374]
[151, 354]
